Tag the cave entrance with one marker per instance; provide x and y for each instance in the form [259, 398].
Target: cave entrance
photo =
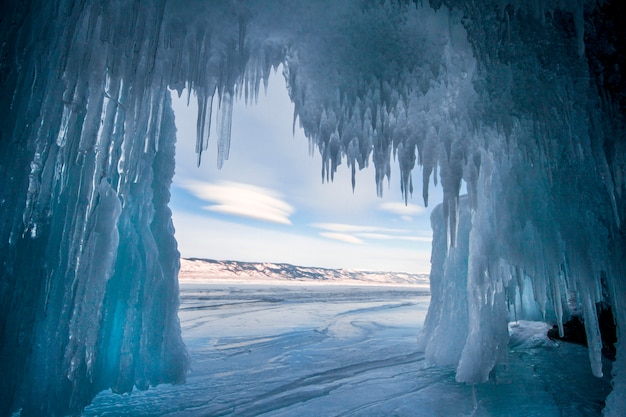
[269, 204]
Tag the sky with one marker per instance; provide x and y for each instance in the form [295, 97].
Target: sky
[268, 202]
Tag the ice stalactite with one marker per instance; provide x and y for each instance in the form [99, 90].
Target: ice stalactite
[523, 103]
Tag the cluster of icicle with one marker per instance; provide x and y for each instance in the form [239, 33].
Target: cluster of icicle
[499, 96]
[88, 261]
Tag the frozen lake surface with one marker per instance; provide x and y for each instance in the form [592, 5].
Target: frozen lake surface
[313, 350]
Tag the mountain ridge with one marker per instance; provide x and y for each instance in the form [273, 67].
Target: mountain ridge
[195, 269]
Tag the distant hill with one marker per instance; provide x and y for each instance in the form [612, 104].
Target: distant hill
[195, 269]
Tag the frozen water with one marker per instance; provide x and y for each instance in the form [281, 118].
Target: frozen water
[297, 350]
[521, 101]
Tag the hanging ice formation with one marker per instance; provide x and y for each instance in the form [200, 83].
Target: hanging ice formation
[525, 104]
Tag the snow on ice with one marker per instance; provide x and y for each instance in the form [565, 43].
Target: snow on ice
[525, 104]
[279, 349]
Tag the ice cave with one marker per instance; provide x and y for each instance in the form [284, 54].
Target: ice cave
[523, 101]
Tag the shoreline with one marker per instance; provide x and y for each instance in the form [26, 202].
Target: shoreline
[298, 282]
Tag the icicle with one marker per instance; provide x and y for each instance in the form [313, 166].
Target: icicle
[452, 223]
[65, 123]
[425, 183]
[557, 303]
[203, 125]
[224, 122]
[594, 340]
[158, 122]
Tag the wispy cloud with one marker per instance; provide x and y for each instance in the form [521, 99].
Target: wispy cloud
[240, 199]
[343, 237]
[382, 236]
[353, 228]
[401, 209]
[353, 233]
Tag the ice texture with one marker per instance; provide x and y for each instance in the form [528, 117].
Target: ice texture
[523, 102]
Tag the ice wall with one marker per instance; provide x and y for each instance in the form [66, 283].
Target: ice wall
[525, 104]
[88, 262]
[549, 191]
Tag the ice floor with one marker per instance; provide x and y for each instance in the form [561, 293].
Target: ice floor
[296, 350]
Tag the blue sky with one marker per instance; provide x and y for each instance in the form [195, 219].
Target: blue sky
[268, 203]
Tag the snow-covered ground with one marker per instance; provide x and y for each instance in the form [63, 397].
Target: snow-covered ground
[298, 350]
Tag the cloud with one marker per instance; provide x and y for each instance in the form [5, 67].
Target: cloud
[248, 242]
[343, 237]
[381, 236]
[352, 233]
[402, 209]
[353, 228]
[240, 199]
